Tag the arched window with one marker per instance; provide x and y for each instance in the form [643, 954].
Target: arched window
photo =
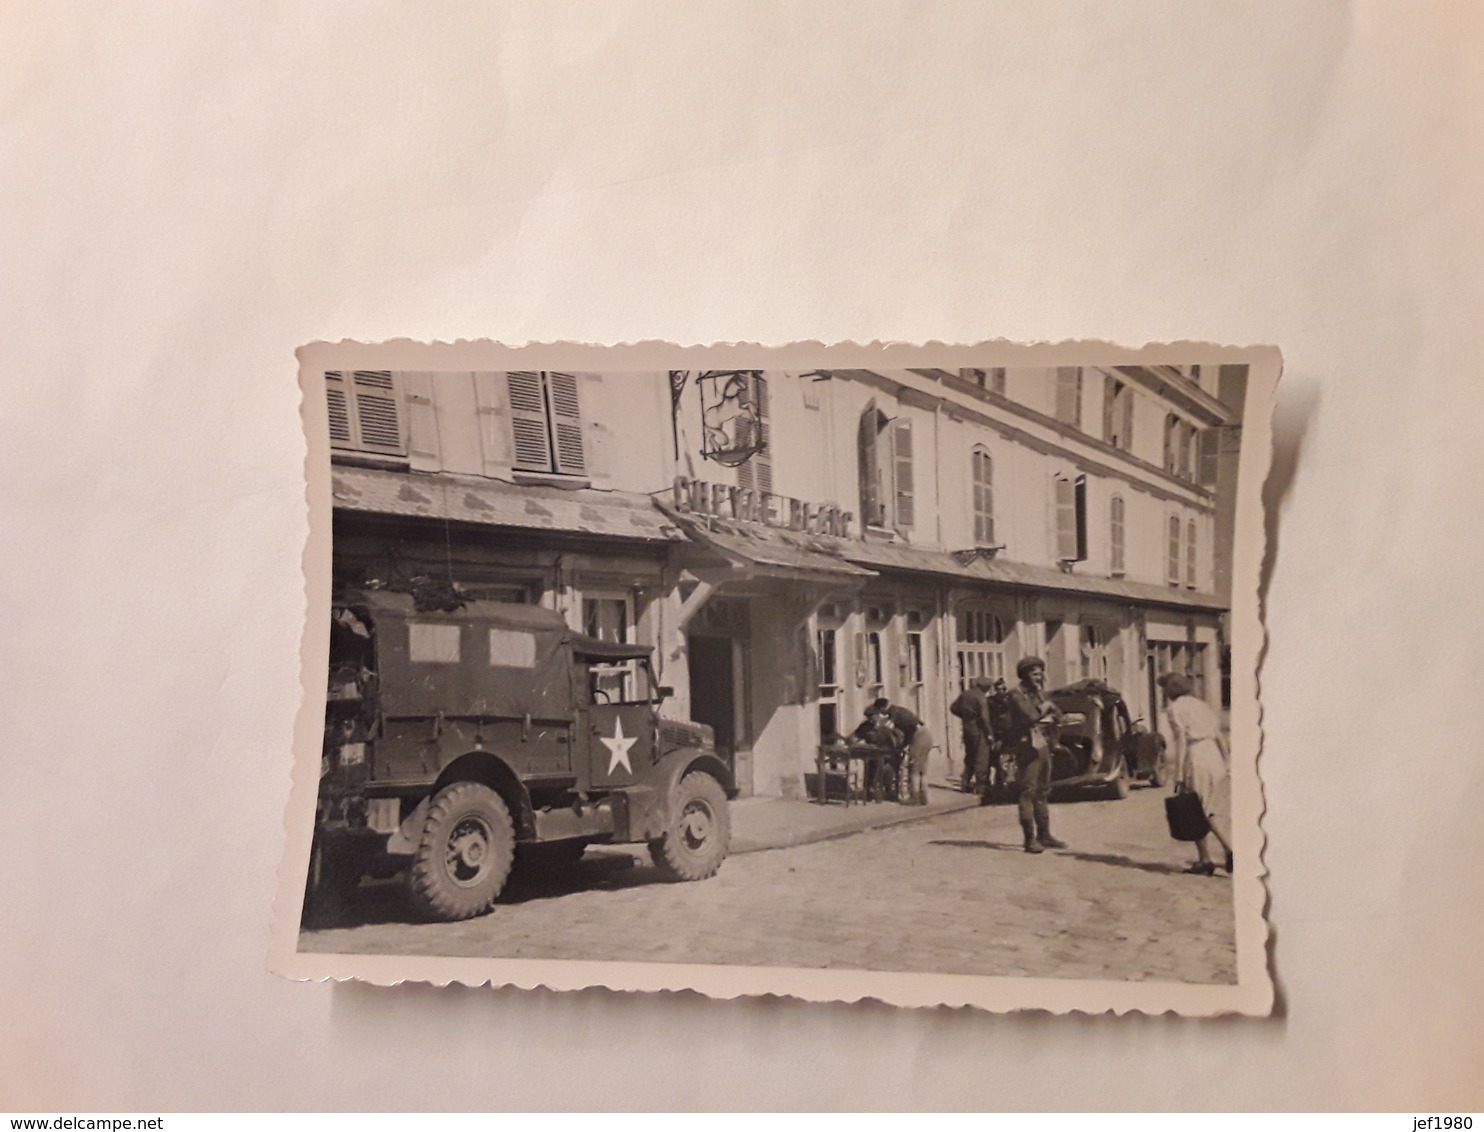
[980, 648]
[1117, 564]
[983, 474]
[1190, 556]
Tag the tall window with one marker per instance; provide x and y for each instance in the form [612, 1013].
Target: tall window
[1118, 414]
[983, 474]
[1172, 558]
[1208, 453]
[902, 467]
[1190, 554]
[756, 473]
[1186, 437]
[1172, 426]
[1093, 660]
[1071, 519]
[1069, 395]
[364, 409]
[1116, 536]
[980, 646]
[886, 478]
[546, 422]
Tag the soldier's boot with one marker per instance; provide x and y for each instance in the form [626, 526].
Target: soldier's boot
[1043, 829]
[1029, 829]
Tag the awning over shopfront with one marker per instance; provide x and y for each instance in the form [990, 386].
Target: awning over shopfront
[769, 552]
[467, 499]
[1018, 575]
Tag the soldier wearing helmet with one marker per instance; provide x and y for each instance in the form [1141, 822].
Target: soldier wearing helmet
[1031, 722]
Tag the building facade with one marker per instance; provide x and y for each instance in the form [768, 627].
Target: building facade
[795, 544]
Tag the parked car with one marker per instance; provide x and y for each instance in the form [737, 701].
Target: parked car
[1100, 748]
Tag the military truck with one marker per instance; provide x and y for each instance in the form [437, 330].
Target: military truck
[458, 732]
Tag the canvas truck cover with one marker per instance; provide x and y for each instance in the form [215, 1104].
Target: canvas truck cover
[485, 659]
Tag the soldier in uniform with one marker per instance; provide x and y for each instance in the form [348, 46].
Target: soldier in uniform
[917, 742]
[972, 708]
[1032, 722]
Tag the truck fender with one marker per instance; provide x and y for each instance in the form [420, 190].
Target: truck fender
[649, 813]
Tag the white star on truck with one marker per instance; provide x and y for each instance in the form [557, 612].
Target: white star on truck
[618, 748]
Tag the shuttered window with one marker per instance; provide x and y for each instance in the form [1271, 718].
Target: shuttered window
[902, 461]
[1172, 558]
[1208, 448]
[983, 475]
[1069, 395]
[1185, 433]
[365, 411]
[1066, 520]
[1117, 556]
[1190, 554]
[546, 422]
[1118, 414]
[868, 445]
[756, 473]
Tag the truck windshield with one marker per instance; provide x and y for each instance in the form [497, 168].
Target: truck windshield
[627, 682]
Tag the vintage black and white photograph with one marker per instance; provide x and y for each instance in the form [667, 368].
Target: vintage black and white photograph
[861, 667]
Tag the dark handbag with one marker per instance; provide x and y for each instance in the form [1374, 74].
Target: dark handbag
[1187, 816]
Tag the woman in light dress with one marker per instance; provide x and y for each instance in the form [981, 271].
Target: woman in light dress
[1202, 764]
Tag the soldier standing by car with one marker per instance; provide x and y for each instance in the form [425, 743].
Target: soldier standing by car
[1032, 720]
[972, 708]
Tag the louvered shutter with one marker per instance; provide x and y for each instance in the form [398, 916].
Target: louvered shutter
[363, 409]
[1117, 536]
[870, 471]
[337, 401]
[1126, 431]
[421, 420]
[902, 464]
[983, 471]
[1190, 554]
[1172, 562]
[764, 458]
[1079, 503]
[1066, 520]
[1110, 406]
[566, 423]
[528, 421]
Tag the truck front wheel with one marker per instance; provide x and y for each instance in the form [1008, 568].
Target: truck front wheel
[464, 857]
[695, 842]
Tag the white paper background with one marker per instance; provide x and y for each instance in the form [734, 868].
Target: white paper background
[193, 190]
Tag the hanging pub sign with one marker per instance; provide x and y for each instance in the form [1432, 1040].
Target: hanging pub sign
[733, 410]
[723, 501]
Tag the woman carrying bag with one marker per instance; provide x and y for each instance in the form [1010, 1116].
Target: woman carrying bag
[1202, 765]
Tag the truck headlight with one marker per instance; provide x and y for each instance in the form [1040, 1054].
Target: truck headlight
[353, 754]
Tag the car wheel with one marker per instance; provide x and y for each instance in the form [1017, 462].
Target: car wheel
[464, 857]
[699, 833]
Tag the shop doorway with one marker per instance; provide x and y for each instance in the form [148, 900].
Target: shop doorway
[713, 691]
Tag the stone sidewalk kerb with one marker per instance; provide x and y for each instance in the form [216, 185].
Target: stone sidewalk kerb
[781, 823]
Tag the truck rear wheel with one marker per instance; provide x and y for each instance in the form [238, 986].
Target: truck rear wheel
[464, 857]
[700, 830]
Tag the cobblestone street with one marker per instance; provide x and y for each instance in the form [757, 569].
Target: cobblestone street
[951, 894]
